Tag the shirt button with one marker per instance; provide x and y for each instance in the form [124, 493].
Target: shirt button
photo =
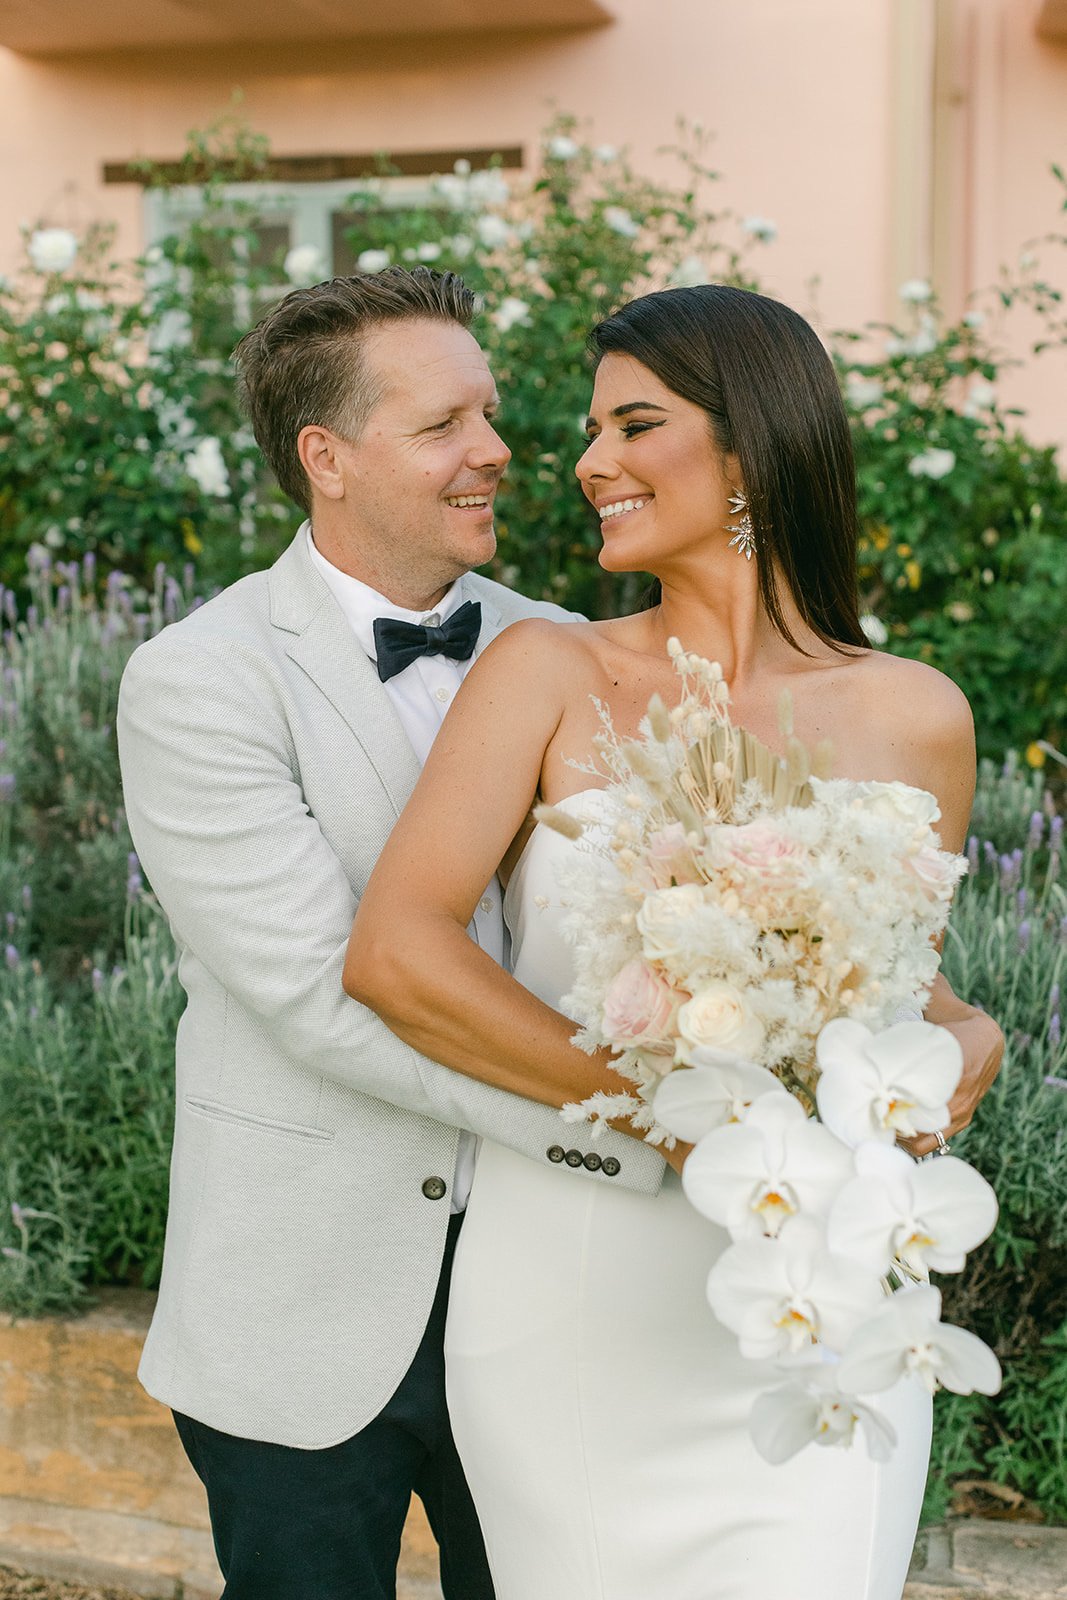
[485, 905]
[442, 694]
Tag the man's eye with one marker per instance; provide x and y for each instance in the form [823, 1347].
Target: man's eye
[439, 427]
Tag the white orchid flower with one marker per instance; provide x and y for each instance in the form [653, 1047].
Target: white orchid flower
[752, 1176]
[908, 1336]
[779, 1295]
[717, 1089]
[876, 1086]
[926, 1214]
[812, 1409]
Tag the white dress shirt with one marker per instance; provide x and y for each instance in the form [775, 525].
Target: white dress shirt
[421, 692]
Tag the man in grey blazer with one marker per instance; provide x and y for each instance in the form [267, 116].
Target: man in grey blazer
[268, 743]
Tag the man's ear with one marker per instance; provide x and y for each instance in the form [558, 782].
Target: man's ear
[319, 452]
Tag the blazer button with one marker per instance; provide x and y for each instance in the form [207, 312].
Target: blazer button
[435, 1188]
[555, 1152]
[573, 1158]
[592, 1162]
[610, 1167]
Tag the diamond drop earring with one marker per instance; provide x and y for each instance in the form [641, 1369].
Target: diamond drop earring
[744, 535]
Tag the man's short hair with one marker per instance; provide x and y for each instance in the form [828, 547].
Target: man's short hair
[302, 365]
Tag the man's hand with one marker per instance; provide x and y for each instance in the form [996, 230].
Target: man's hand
[982, 1044]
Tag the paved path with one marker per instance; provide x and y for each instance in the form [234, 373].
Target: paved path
[970, 1560]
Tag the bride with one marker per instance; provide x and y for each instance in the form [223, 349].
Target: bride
[599, 1408]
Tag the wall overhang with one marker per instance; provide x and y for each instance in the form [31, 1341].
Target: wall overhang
[71, 27]
[1052, 20]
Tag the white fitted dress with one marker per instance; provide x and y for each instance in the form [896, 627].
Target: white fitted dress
[601, 1410]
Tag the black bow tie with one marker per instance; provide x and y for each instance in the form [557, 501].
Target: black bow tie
[398, 644]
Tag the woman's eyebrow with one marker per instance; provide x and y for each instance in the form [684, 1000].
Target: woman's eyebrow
[624, 411]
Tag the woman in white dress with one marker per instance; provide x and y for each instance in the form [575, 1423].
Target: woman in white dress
[599, 1408]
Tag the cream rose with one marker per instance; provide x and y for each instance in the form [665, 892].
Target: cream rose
[661, 919]
[640, 1006]
[899, 802]
[717, 1017]
[936, 871]
[670, 858]
[760, 848]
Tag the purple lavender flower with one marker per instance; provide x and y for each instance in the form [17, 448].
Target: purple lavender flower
[972, 853]
[1037, 831]
[1024, 937]
[172, 597]
[31, 616]
[63, 597]
[134, 880]
[1055, 834]
[11, 921]
[89, 568]
[10, 608]
[98, 980]
[1054, 1030]
[1022, 899]
[990, 850]
[1054, 997]
[7, 785]
[27, 897]
[11, 956]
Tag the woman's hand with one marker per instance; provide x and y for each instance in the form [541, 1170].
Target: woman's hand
[982, 1044]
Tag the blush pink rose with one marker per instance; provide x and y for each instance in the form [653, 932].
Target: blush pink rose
[670, 858]
[640, 1006]
[756, 847]
[936, 870]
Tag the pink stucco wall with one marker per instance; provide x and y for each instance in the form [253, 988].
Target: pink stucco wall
[804, 100]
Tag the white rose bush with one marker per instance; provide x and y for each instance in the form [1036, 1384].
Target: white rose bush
[748, 933]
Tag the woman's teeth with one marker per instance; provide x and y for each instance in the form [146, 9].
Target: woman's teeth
[619, 506]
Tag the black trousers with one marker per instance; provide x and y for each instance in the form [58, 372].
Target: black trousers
[326, 1524]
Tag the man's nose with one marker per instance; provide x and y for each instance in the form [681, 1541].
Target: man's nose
[489, 450]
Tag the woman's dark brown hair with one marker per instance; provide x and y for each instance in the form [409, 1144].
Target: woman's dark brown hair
[772, 399]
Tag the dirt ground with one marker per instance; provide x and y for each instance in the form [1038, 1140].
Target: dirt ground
[16, 1585]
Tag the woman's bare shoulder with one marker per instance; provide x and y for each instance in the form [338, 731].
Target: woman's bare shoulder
[916, 698]
[537, 643]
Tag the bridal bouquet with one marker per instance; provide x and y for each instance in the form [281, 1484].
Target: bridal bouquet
[747, 935]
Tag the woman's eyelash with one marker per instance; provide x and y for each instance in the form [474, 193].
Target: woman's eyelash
[632, 428]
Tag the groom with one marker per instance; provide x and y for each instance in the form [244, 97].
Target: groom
[268, 743]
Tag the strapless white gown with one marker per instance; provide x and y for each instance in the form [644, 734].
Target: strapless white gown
[601, 1410]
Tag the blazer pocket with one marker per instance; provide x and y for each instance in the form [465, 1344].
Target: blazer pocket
[248, 1119]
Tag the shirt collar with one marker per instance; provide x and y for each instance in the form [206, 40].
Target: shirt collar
[361, 604]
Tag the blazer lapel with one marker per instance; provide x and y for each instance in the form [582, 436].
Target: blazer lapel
[322, 644]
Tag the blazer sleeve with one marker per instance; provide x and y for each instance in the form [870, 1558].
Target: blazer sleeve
[254, 891]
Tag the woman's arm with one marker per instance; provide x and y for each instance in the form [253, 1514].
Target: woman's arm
[410, 958]
[939, 734]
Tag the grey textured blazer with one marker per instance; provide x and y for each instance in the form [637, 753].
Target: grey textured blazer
[263, 767]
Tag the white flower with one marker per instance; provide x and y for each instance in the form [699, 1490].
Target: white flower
[561, 148]
[489, 188]
[460, 246]
[932, 464]
[153, 255]
[492, 230]
[509, 312]
[689, 273]
[813, 1409]
[717, 1089]
[761, 228]
[778, 1295]
[605, 152]
[916, 291]
[428, 251]
[52, 249]
[874, 629]
[907, 1336]
[619, 220]
[981, 397]
[207, 468]
[974, 319]
[897, 802]
[718, 1016]
[373, 260]
[926, 1214]
[752, 1177]
[875, 1086]
[304, 264]
[462, 167]
[863, 392]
